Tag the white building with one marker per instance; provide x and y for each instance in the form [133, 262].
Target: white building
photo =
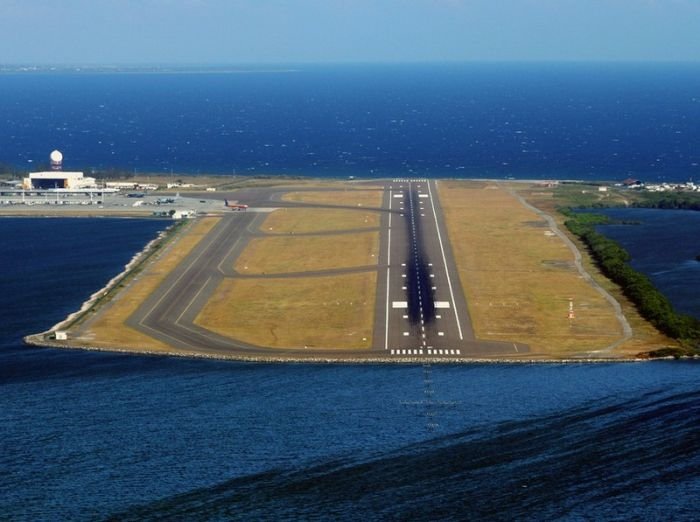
[183, 214]
[126, 185]
[58, 179]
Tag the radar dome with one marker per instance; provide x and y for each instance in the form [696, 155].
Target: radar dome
[56, 156]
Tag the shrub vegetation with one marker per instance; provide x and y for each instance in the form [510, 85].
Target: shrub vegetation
[614, 262]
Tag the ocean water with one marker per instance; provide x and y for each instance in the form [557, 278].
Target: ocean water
[663, 245]
[587, 121]
[96, 436]
[99, 436]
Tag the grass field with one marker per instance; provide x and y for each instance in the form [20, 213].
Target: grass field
[645, 336]
[518, 277]
[304, 311]
[310, 220]
[286, 254]
[350, 197]
[307, 312]
[108, 329]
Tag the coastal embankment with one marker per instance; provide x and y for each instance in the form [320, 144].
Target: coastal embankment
[271, 287]
[98, 298]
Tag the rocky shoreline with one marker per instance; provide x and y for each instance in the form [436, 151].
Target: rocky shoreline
[40, 341]
[42, 338]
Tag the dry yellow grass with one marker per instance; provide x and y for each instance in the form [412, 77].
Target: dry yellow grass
[306, 220]
[286, 254]
[314, 312]
[107, 329]
[518, 278]
[347, 197]
[288, 183]
[645, 336]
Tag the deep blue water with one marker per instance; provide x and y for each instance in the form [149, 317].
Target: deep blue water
[588, 121]
[663, 245]
[91, 436]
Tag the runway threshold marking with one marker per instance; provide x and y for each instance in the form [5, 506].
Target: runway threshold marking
[444, 260]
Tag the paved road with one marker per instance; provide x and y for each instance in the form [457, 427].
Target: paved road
[420, 309]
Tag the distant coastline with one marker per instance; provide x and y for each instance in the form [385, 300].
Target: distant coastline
[141, 69]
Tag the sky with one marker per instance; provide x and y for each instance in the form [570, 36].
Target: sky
[102, 32]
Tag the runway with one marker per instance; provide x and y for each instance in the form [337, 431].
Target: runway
[424, 312]
[420, 309]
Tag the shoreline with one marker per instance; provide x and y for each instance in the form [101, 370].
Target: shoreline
[47, 337]
[115, 215]
[621, 319]
[311, 359]
[135, 262]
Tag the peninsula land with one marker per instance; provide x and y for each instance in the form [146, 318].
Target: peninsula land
[400, 270]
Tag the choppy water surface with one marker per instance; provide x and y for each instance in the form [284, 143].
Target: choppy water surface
[87, 436]
[588, 121]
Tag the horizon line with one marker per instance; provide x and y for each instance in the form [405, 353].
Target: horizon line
[28, 66]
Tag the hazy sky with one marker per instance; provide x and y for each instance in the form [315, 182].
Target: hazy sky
[276, 31]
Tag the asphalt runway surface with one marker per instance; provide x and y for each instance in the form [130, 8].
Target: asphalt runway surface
[420, 309]
[424, 312]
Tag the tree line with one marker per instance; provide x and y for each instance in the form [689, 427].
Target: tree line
[613, 260]
[676, 201]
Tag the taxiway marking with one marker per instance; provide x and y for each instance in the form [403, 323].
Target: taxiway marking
[177, 321]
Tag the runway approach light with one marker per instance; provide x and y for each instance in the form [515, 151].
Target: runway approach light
[56, 160]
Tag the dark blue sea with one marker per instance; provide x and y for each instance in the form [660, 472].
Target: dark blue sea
[536, 121]
[96, 436]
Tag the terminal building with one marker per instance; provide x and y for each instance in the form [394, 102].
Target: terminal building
[57, 178]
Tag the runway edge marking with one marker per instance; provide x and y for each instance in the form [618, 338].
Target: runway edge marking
[388, 269]
[444, 260]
